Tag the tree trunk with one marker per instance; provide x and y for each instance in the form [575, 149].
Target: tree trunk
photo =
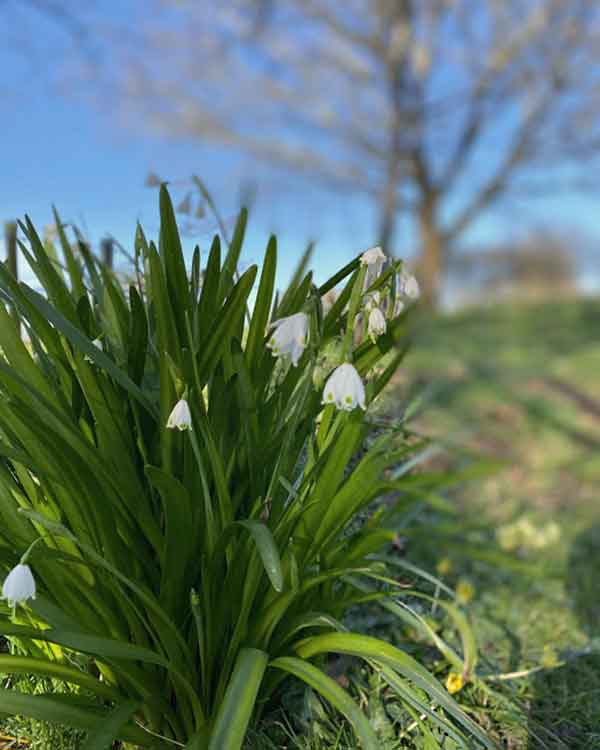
[389, 195]
[431, 263]
[387, 222]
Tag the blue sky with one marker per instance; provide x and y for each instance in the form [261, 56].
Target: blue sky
[58, 148]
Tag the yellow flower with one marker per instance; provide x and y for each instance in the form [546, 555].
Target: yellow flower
[550, 657]
[465, 591]
[444, 566]
[454, 683]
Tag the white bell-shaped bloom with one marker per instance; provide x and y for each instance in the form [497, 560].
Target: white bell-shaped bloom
[372, 255]
[377, 324]
[344, 388]
[373, 259]
[290, 336]
[19, 585]
[409, 286]
[398, 307]
[372, 301]
[180, 418]
[328, 300]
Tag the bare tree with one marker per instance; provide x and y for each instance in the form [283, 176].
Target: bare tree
[435, 108]
[64, 13]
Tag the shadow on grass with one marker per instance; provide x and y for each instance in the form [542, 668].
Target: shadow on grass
[565, 712]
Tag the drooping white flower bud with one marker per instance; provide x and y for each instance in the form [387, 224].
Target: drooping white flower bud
[290, 336]
[372, 256]
[328, 300]
[373, 259]
[180, 418]
[408, 285]
[19, 585]
[398, 307]
[377, 324]
[372, 301]
[152, 180]
[344, 388]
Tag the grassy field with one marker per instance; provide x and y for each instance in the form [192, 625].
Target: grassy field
[517, 385]
[521, 384]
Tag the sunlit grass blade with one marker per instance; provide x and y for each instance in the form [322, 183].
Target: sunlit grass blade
[367, 647]
[238, 704]
[333, 693]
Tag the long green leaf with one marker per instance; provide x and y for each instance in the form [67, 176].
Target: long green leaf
[29, 665]
[333, 693]
[237, 707]
[229, 319]
[173, 260]
[262, 306]
[367, 647]
[110, 729]
[52, 709]
[267, 550]
[84, 345]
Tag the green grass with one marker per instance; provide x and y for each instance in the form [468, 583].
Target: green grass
[519, 384]
[21, 732]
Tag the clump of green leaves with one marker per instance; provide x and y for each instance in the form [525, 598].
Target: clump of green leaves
[184, 575]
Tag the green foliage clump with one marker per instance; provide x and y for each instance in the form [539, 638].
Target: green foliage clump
[185, 574]
[33, 734]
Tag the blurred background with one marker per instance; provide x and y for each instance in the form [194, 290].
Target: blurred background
[462, 135]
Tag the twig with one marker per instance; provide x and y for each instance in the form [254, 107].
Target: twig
[517, 675]
[160, 736]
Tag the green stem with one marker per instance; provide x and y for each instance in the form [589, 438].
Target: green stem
[211, 530]
[29, 549]
[355, 300]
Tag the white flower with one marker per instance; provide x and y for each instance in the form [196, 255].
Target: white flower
[344, 388]
[372, 256]
[19, 585]
[373, 300]
[290, 336]
[377, 324]
[328, 300]
[50, 233]
[409, 286]
[180, 418]
[398, 307]
[373, 259]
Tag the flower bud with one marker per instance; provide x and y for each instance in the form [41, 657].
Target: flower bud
[180, 418]
[377, 324]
